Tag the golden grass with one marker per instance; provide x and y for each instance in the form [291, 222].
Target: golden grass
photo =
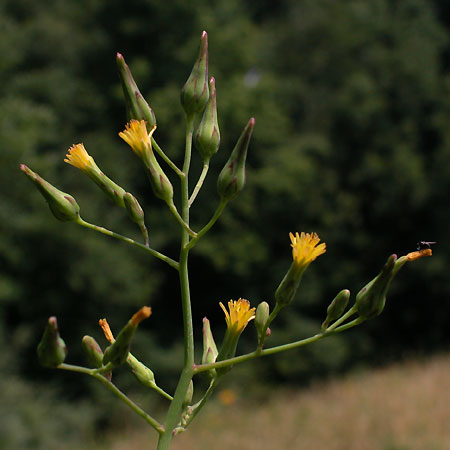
[404, 407]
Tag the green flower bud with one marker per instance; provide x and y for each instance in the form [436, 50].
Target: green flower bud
[117, 352]
[134, 209]
[63, 206]
[93, 351]
[78, 157]
[336, 308]
[52, 350]
[137, 107]
[261, 316]
[371, 299]
[232, 178]
[209, 347]
[195, 92]
[94, 354]
[143, 374]
[207, 137]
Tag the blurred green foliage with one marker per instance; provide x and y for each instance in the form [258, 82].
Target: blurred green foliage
[351, 141]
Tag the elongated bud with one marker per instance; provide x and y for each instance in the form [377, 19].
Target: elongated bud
[94, 354]
[93, 351]
[207, 137]
[134, 209]
[209, 347]
[261, 316]
[52, 350]
[137, 107]
[232, 178]
[371, 299]
[195, 92]
[143, 374]
[336, 308]
[78, 157]
[117, 352]
[63, 206]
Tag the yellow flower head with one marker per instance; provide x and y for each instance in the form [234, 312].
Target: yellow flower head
[305, 248]
[239, 316]
[136, 136]
[79, 157]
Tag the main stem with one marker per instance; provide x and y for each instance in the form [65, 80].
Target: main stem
[176, 407]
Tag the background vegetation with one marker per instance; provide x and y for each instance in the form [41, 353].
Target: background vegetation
[351, 141]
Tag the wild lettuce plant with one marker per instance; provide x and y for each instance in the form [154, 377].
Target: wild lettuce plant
[198, 99]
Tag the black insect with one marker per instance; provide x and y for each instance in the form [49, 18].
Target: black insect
[421, 245]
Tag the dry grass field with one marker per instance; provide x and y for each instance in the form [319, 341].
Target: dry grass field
[402, 407]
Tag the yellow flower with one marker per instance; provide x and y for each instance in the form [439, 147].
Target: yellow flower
[239, 316]
[79, 157]
[305, 248]
[136, 136]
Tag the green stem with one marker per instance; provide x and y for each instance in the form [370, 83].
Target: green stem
[166, 159]
[153, 252]
[176, 407]
[353, 310]
[117, 392]
[207, 227]
[351, 324]
[199, 184]
[271, 351]
[198, 406]
[162, 392]
[180, 219]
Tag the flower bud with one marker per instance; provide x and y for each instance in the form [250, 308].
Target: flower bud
[117, 352]
[93, 351]
[261, 316]
[137, 107]
[63, 206]
[207, 137]
[78, 157]
[195, 92]
[94, 354]
[52, 350]
[336, 307]
[209, 347]
[134, 209]
[143, 374]
[189, 395]
[371, 299]
[232, 178]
